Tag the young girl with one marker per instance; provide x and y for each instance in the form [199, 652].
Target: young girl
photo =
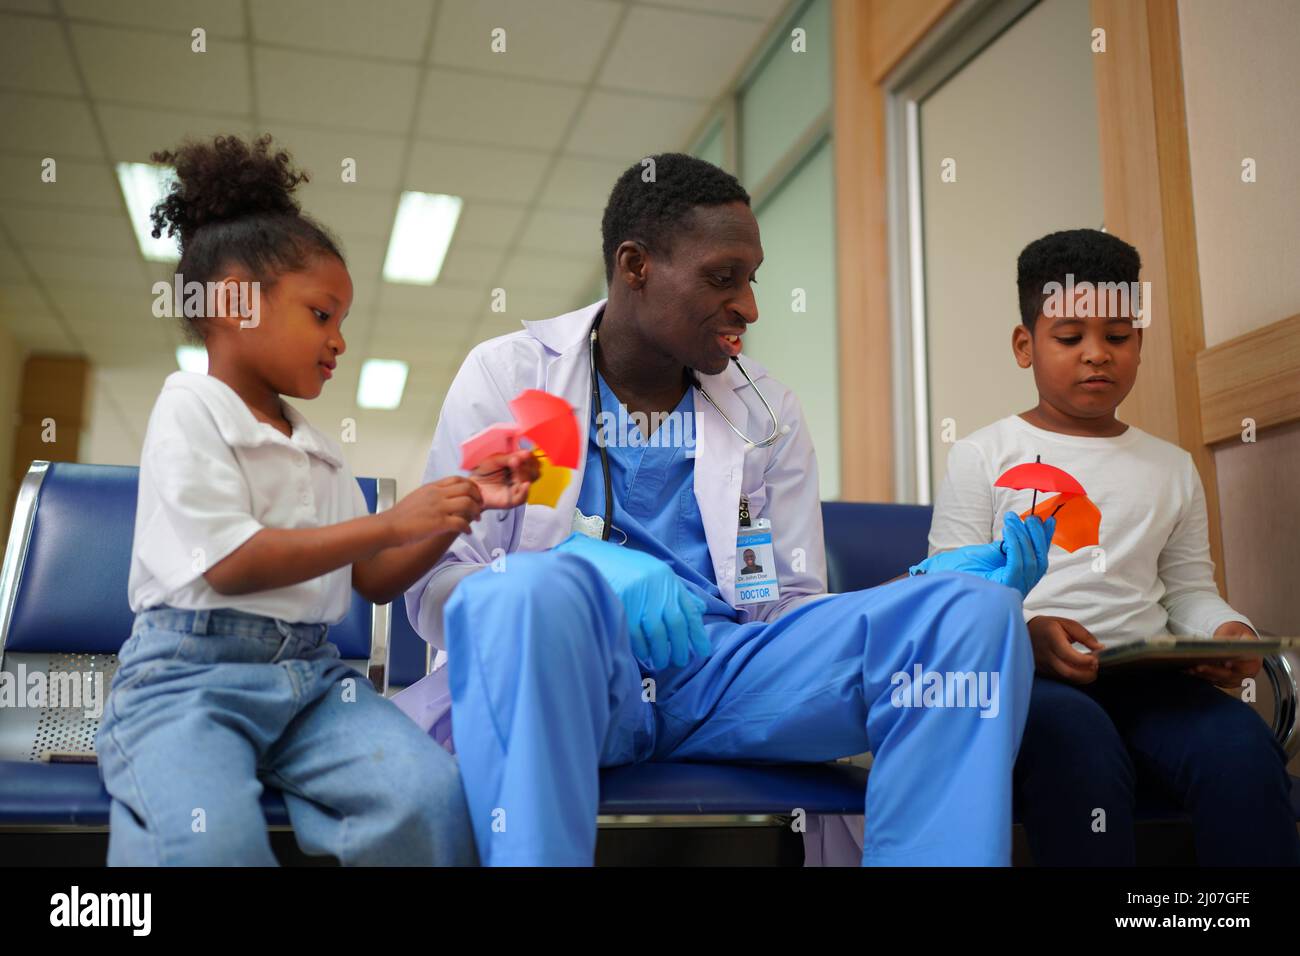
[250, 535]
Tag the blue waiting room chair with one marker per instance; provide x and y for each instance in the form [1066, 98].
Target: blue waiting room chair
[63, 608]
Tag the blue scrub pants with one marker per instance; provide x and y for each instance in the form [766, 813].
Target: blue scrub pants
[1172, 736]
[546, 690]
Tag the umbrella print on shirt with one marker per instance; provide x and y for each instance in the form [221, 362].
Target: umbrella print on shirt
[1078, 520]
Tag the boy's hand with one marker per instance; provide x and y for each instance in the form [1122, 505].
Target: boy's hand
[1230, 673]
[504, 480]
[448, 505]
[1054, 656]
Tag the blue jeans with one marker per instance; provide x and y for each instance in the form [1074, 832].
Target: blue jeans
[1163, 734]
[209, 706]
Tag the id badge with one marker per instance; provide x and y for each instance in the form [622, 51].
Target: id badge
[755, 563]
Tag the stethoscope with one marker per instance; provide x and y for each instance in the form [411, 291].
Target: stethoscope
[776, 432]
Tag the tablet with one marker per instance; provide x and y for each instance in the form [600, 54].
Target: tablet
[1166, 649]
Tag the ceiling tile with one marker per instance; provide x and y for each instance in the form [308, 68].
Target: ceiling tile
[133, 133]
[394, 29]
[378, 158]
[99, 271]
[546, 39]
[223, 18]
[350, 210]
[525, 305]
[627, 128]
[23, 300]
[577, 183]
[365, 258]
[434, 304]
[77, 183]
[11, 269]
[424, 347]
[684, 54]
[48, 126]
[750, 9]
[496, 110]
[38, 336]
[34, 56]
[564, 233]
[475, 172]
[335, 91]
[92, 302]
[493, 324]
[488, 223]
[68, 229]
[153, 69]
[470, 264]
[526, 270]
[29, 6]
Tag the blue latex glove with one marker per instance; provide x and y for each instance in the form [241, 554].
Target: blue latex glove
[1019, 560]
[664, 619]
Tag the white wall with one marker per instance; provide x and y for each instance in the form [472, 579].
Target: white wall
[1020, 120]
[797, 225]
[1241, 81]
[1241, 75]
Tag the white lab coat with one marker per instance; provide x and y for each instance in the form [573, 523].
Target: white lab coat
[780, 480]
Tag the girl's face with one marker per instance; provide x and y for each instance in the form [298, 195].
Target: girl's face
[297, 340]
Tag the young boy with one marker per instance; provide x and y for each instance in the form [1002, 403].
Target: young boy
[1091, 744]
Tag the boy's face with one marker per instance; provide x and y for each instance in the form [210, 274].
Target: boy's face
[1083, 367]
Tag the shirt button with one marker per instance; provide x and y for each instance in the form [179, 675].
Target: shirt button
[305, 499]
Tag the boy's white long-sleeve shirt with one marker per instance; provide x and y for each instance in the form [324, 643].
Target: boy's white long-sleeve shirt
[1151, 572]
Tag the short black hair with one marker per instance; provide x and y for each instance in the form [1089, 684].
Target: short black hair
[653, 212]
[232, 204]
[1088, 254]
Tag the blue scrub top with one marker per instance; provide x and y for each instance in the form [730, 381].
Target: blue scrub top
[654, 494]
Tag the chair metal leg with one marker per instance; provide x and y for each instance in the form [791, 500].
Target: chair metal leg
[1282, 678]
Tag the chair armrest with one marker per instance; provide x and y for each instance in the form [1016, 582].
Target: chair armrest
[381, 620]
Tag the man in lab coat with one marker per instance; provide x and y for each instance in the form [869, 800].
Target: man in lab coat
[568, 653]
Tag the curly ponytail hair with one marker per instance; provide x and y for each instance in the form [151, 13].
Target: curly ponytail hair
[232, 205]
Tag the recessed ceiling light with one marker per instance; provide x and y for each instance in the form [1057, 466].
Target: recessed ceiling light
[422, 232]
[382, 382]
[192, 358]
[144, 186]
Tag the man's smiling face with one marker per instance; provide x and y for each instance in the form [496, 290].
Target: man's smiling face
[698, 299]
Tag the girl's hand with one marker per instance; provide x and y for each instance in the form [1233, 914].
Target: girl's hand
[504, 480]
[1054, 655]
[1230, 673]
[448, 505]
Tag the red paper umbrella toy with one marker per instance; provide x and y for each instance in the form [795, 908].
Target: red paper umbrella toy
[1041, 477]
[1078, 520]
[547, 421]
[544, 419]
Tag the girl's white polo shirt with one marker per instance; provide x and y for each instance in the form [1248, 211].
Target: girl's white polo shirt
[211, 477]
